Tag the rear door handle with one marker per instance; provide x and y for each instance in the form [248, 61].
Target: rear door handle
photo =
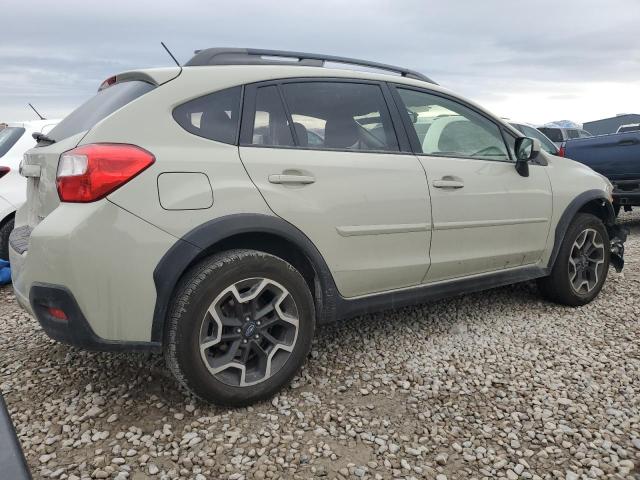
[284, 179]
[627, 143]
[448, 184]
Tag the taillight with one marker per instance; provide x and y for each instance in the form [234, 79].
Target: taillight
[91, 172]
[4, 171]
[107, 83]
[561, 151]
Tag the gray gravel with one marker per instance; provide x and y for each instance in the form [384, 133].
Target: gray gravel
[496, 384]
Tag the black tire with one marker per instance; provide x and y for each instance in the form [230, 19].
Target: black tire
[197, 290]
[5, 230]
[557, 287]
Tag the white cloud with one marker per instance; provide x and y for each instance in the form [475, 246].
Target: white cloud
[540, 61]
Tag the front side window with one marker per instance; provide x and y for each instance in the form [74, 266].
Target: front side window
[9, 136]
[448, 129]
[340, 115]
[214, 116]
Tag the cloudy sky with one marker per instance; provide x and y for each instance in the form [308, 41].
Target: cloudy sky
[535, 61]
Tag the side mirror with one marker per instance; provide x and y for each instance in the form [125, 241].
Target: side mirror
[526, 149]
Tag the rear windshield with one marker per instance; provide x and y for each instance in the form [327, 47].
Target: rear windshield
[554, 134]
[8, 138]
[98, 107]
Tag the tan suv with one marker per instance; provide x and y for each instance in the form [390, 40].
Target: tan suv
[221, 210]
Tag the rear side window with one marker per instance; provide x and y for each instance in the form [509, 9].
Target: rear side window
[8, 138]
[98, 107]
[270, 125]
[554, 134]
[573, 134]
[340, 115]
[215, 116]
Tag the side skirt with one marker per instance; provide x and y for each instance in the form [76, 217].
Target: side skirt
[348, 308]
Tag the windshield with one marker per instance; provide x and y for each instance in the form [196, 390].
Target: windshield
[98, 107]
[546, 144]
[8, 138]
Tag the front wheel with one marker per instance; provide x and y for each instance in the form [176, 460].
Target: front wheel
[582, 264]
[240, 327]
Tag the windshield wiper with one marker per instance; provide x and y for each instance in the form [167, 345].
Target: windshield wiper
[42, 138]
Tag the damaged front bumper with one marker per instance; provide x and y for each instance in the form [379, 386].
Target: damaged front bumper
[617, 237]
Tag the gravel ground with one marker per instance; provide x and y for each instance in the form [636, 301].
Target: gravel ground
[496, 384]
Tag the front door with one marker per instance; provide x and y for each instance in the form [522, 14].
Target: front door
[327, 160]
[486, 217]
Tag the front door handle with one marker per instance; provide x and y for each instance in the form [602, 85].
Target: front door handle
[448, 184]
[285, 179]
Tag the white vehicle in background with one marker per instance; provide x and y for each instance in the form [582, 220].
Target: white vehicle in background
[15, 139]
[630, 127]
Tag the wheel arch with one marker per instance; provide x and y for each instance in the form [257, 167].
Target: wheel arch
[594, 202]
[264, 233]
[7, 218]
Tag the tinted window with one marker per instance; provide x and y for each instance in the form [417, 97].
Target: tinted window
[8, 138]
[345, 116]
[270, 125]
[103, 104]
[447, 128]
[214, 116]
[629, 128]
[573, 134]
[546, 144]
[554, 134]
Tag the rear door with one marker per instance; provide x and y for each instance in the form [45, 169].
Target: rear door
[326, 158]
[486, 217]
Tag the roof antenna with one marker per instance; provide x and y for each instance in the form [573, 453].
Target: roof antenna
[170, 54]
[37, 112]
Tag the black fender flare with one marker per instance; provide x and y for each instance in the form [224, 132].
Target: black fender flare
[196, 242]
[570, 212]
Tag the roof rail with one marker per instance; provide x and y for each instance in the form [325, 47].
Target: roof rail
[256, 56]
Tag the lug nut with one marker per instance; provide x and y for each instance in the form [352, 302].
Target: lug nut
[258, 322]
[257, 336]
[238, 330]
[244, 341]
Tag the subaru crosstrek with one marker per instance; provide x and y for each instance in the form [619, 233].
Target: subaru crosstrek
[222, 210]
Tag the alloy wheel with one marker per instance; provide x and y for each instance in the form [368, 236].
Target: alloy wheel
[249, 332]
[586, 261]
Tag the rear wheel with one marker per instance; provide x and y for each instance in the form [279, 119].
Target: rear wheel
[240, 327]
[5, 230]
[582, 264]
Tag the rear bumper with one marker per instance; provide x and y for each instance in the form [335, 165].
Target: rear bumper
[102, 257]
[75, 330]
[626, 192]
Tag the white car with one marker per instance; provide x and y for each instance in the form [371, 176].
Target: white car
[187, 209]
[15, 139]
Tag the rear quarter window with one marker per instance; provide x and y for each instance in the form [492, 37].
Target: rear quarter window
[98, 107]
[215, 116]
